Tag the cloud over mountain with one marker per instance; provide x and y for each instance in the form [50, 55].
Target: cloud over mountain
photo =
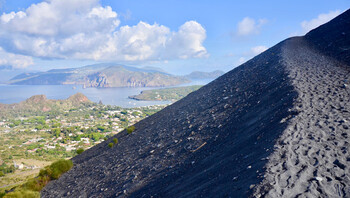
[84, 29]
[258, 49]
[321, 19]
[250, 26]
[14, 60]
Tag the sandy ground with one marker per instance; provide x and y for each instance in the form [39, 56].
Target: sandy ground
[312, 156]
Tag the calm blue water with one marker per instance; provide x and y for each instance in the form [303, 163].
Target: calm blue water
[113, 96]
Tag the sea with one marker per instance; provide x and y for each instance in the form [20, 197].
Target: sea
[109, 96]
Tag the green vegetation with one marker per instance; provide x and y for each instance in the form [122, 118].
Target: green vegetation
[115, 140]
[60, 135]
[5, 169]
[39, 105]
[32, 187]
[130, 129]
[110, 144]
[22, 194]
[56, 169]
[80, 151]
[31, 139]
[171, 94]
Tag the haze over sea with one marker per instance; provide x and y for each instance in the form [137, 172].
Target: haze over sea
[109, 96]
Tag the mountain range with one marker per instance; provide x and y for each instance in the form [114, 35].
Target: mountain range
[106, 75]
[276, 126]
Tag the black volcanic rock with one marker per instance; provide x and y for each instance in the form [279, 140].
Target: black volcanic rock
[277, 126]
[333, 38]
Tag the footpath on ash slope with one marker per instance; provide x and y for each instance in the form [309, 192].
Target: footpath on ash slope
[312, 156]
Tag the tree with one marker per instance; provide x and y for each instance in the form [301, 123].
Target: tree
[56, 132]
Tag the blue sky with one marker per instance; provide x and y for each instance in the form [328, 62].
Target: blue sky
[177, 35]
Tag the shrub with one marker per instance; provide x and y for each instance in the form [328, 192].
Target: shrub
[115, 140]
[130, 129]
[58, 168]
[110, 145]
[80, 150]
[36, 184]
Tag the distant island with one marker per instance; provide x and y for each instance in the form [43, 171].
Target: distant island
[109, 75]
[204, 75]
[169, 94]
[101, 75]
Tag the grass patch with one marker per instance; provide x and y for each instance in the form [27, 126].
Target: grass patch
[22, 194]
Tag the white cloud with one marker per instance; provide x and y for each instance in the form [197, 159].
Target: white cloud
[189, 38]
[251, 53]
[14, 60]
[321, 19]
[249, 26]
[241, 60]
[83, 29]
[257, 50]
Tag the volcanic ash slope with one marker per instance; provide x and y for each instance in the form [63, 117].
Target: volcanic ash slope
[312, 156]
[277, 126]
[214, 142]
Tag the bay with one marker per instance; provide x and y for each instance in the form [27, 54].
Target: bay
[110, 96]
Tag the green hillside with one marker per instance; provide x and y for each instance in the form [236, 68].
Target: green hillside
[171, 94]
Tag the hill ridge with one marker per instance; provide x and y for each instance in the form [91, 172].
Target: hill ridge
[40, 104]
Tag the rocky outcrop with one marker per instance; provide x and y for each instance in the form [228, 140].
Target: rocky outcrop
[96, 80]
[276, 126]
[36, 99]
[78, 98]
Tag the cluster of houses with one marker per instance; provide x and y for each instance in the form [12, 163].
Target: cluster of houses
[114, 120]
[110, 118]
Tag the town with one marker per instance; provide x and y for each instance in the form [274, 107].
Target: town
[27, 143]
